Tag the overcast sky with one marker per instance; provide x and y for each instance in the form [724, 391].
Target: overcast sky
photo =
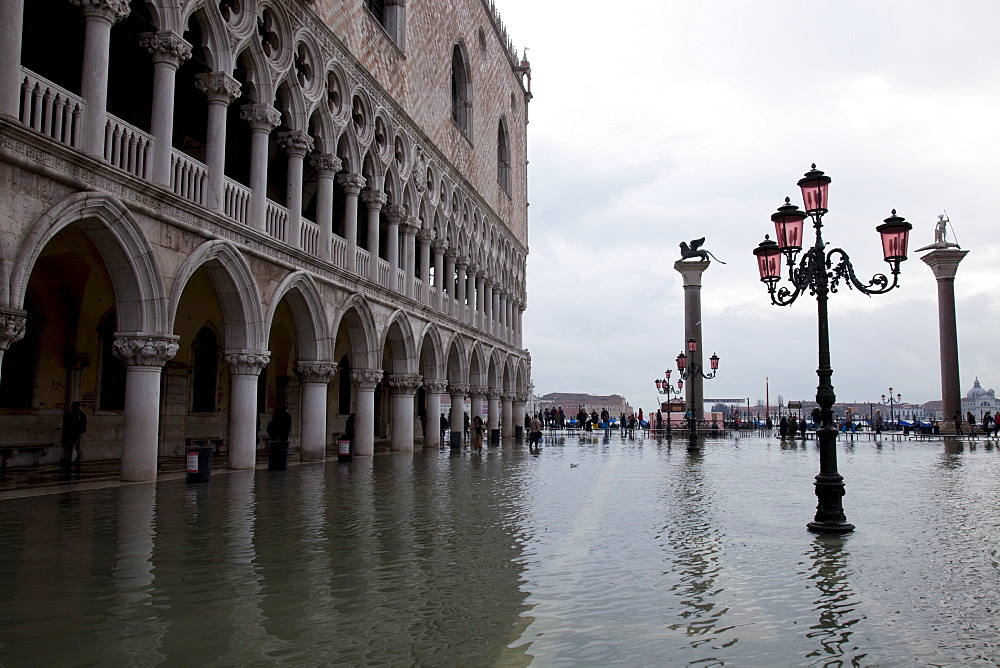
[660, 122]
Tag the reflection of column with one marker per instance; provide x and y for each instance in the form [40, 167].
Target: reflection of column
[313, 380]
[351, 185]
[99, 15]
[433, 389]
[375, 199]
[262, 119]
[144, 357]
[12, 12]
[364, 381]
[169, 50]
[507, 412]
[403, 388]
[12, 322]
[326, 167]
[457, 418]
[245, 368]
[220, 89]
[944, 264]
[691, 273]
[395, 214]
[410, 228]
[296, 145]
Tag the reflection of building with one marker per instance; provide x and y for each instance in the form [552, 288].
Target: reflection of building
[978, 401]
[571, 402]
[243, 204]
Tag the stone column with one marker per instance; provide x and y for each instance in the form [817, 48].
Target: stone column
[403, 388]
[470, 292]
[504, 304]
[244, 370]
[375, 199]
[944, 263]
[365, 381]
[448, 282]
[99, 16]
[495, 320]
[426, 238]
[691, 273]
[314, 378]
[326, 166]
[144, 356]
[461, 264]
[519, 336]
[480, 319]
[395, 214]
[262, 119]
[433, 389]
[457, 417]
[493, 417]
[169, 50]
[220, 89]
[507, 414]
[517, 410]
[439, 246]
[477, 394]
[296, 145]
[351, 185]
[410, 229]
[12, 324]
[11, 27]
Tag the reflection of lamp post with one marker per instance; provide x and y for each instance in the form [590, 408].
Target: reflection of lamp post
[892, 401]
[694, 371]
[664, 387]
[820, 272]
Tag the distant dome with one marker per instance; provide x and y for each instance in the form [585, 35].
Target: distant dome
[978, 391]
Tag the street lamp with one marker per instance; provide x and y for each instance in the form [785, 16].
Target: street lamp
[820, 272]
[892, 401]
[694, 370]
[664, 387]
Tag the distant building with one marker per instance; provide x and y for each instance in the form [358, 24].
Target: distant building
[571, 403]
[977, 401]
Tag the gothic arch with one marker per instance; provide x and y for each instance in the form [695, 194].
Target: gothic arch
[430, 341]
[457, 364]
[126, 253]
[238, 295]
[356, 316]
[307, 308]
[398, 337]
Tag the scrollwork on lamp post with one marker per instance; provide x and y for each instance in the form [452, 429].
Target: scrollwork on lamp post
[664, 387]
[820, 272]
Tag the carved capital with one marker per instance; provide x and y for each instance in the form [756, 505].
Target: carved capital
[366, 379]
[315, 372]
[451, 254]
[472, 269]
[351, 184]
[295, 143]
[144, 350]
[493, 394]
[405, 383]
[247, 364]
[507, 396]
[218, 87]
[411, 225]
[166, 47]
[12, 323]
[435, 386]
[440, 245]
[110, 11]
[458, 389]
[327, 164]
[395, 213]
[425, 236]
[521, 398]
[478, 391]
[375, 199]
[260, 116]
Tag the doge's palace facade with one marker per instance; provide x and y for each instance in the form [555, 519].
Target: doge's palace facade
[212, 209]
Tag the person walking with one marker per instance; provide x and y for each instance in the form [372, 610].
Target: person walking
[468, 424]
[477, 433]
[534, 433]
[987, 423]
[783, 427]
[74, 426]
[971, 419]
[878, 423]
[280, 425]
[957, 418]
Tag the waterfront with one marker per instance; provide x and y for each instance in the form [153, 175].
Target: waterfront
[587, 553]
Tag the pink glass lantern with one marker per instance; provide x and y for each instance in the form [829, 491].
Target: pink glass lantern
[788, 227]
[682, 362]
[768, 260]
[895, 233]
[692, 345]
[714, 362]
[815, 187]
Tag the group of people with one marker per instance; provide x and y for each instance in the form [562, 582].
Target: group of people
[989, 423]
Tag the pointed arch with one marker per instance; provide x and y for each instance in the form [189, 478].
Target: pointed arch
[356, 316]
[398, 338]
[431, 343]
[306, 305]
[458, 364]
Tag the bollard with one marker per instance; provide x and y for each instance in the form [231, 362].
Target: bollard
[277, 455]
[199, 464]
[345, 450]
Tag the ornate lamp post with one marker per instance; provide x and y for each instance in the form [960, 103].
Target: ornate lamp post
[891, 401]
[694, 371]
[820, 272]
[664, 387]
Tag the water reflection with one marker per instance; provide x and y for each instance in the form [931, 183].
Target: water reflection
[836, 603]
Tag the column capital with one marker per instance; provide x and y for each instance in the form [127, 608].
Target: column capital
[458, 389]
[451, 254]
[12, 323]
[411, 225]
[351, 184]
[366, 379]
[375, 199]
[487, 282]
[494, 393]
[144, 349]
[521, 398]
[944, 263]
[478, 391]
[247, 363]
[260, 116]
[440, 245]
[426, 235]
[435, 386]
[327, 164]
[461, 262]
[218, 87]
[472, 269]
[396, 213]
[315, 372]
[110, 11]
[295, 143]
[405, 383]
[507, 396]
[691, 271]
[166, 46]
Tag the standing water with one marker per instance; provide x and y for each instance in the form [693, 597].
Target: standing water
[590, 552]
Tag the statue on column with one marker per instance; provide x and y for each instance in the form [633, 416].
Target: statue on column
[940, 235]
[695, 250]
